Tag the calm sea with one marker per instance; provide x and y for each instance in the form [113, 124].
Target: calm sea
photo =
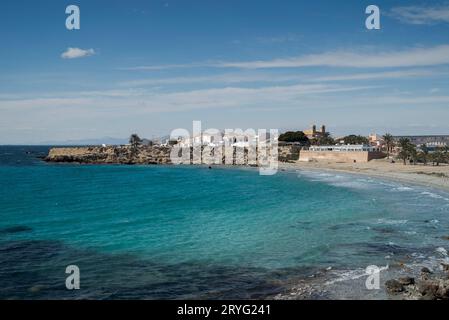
[166, 232]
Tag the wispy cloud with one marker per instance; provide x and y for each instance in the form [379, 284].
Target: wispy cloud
[421, 14]
[178, 101]
[74, 53]
[289, 37]
[434, 90]
[125, 109]
[227, 78]
[413, 57]
[415, 73]
[169, 66]
[266, 77]
[407, 58]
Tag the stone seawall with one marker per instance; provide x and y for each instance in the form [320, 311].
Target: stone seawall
[343, 156]
[157, 155]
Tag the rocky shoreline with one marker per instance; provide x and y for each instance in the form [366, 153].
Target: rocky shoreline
[110, 155]
[145, 155]
[429, 285]
[398, 282]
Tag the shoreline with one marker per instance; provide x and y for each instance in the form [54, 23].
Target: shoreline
[425, 175]
[404, 279]
[436, 177]
[338, 282]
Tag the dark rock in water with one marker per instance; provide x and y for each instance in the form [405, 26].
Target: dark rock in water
[15, 229]
[35, 289]
[435, 289]
[406, 281]
[344, 226]
[428, 289]
[443, 290]
[445, 237]
[384, 230]
[426, 270]
[445, 267]
[394, 286]
[34, 269]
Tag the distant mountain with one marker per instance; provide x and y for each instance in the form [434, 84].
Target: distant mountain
[86, 142]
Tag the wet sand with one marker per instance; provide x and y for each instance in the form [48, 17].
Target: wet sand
[425, 175]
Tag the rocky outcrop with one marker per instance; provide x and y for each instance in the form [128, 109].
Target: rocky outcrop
[427, 287]
[288, 153]
[111, 155]
[159, 155]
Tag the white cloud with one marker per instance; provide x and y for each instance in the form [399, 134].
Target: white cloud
[434, 90]
[227, 78]
[126, 100]
[74, 53]
[416, 73]
[117, 112]
[420, 14]
[267, 77]
[413, 57]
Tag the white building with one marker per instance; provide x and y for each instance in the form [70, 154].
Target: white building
[344, 148]
[205, 139]
[213, 140]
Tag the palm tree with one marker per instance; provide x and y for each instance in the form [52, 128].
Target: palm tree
[405, 152]
[413, 154]
[446, 154]
[438, 157]
[424, 153]
[389, 141]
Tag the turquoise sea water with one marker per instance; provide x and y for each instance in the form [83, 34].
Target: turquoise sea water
[189, 232]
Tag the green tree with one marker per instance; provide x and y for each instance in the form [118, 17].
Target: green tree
[389, 142]
[134, 140]
[413, 154]
[324, 140]
[294, 136]
[353, 139]
[438, 157]
[441, 155]
[446, 154]
[424, 154]
[408, 150]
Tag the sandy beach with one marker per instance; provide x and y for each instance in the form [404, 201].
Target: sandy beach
[425, 175]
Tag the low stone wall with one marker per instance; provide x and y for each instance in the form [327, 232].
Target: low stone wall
[343, 156]
[376, 155]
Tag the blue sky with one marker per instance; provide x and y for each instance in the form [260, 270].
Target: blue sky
[153, 66]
